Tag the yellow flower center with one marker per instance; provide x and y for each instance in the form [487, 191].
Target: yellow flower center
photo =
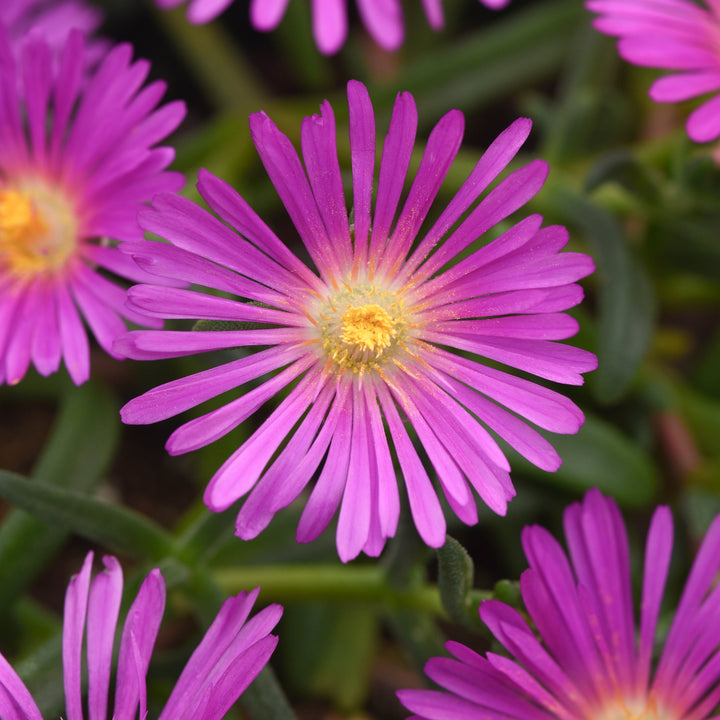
[644, 709]
[38, 229]
[368, 327]
[361, 327]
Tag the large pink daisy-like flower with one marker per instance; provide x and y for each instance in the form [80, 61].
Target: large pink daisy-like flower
[394, 325]
[229, 657]
[591, 661]
[77, 161]
[382, 18]
[678, 35]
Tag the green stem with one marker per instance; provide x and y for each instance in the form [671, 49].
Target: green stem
[330, 582]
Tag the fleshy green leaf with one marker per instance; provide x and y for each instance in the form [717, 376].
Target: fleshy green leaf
[81, 445]
[623, 168]
[519, 49]
[316, 654]
[42, 673]
[119, 529]
[264, 698]
[508, 591]
[455, 579]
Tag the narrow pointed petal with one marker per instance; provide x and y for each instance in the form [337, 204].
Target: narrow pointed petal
[137, 642]
[76, 600]
[103, 609]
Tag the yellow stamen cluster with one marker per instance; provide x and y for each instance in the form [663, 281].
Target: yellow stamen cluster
[38, 230]
[367, 327]
[361, 327]
[633, 710]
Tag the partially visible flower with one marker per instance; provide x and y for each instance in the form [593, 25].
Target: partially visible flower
[382, 18]
[588, 659]
[53, 19]
[393, 325]
[679, 35]
[229, 657]
[77, 161]
[199, 11]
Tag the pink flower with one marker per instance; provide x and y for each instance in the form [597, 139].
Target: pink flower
[77, 161]
[677, 35]
[199, 11]
[229, 657]
[53, 19]
[383, 19]
[373, 336]
[587, 657]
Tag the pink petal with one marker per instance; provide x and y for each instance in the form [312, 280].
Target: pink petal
[103, 609]
[329, 24]
[384, 21]
[267, 14]
[137, 642]
[76, 600]
[397, 150]
[703, 125]
[16, 702]
[362, 150]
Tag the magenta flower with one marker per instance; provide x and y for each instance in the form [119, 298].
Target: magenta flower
[53, 19]
[678, 35]
[229, 657]
[372, 338]
[199, 11]
[590, 659]
[383, 19]
[76, 163]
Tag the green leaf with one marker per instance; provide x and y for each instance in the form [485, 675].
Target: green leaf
[587, 111]
[703, 415]
[265, 699]
[121, 530]
[706, 377]
[418, 634]
[481, 67]
[623, 168]
[601, 456]
[208, 47]
[508, 591]
[42, 675]
[81, 445]
[699, 251]
[317, 637]
[701, 505]
[455, 579]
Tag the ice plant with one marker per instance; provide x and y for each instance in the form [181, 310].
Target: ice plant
[54, 19]
[588, 659]
[370, 338]
[199, 11]
[383, 19]
[229, 657]
[678, 35]
[77, 161]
